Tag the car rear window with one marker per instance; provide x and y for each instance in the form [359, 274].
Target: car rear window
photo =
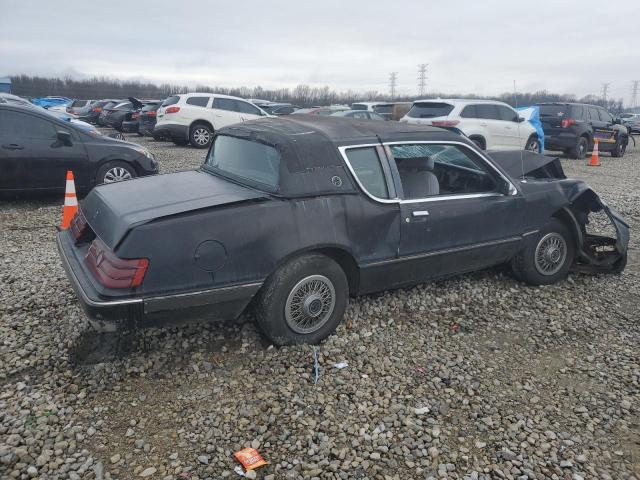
[79, 103]
[150, 107]
[359, 106]
[171, 100]
[252, 162]
[198, 101]
[429, 110]
[553, 110]
[383, 108]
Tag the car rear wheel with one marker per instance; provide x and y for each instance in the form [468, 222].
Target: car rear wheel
[200, 135]
[115, 172]
[303, 301]
[579, 151]
[548, 257]
[533, 144]
[479, 142]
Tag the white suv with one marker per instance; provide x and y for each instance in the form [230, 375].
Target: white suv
[490, 125]
[193, 117]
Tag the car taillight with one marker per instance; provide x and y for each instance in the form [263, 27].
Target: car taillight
[567, 122]
[78, 225]
[112, 271]
[97, 109]
[172, 110]
[150, 114]
[445, 123]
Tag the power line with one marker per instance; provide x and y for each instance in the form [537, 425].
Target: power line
[393, 83]
[634, 93]
[605, 90]
[422, 77]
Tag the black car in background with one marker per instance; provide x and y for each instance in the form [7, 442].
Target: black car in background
[102, 118]
[279, 108]
[147, 120]
[573, 127]
[131, 122]
[118, 113]
[91, 112]
[290, 216]
[37, 149]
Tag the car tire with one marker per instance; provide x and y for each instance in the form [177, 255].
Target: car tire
[200, 135]
[112, 172]
[303, 301]
[547, 257]
[619, 149]
[579, 151]
[533, 144]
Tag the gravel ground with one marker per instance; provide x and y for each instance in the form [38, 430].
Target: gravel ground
[473, 377]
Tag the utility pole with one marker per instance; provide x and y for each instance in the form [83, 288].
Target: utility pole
[605, 90]
[393, 82]
[634, 93]
[422, 77]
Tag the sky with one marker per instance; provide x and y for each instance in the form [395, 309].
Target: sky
[471, 46]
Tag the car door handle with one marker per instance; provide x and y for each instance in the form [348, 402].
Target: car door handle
[420, 213]
[484, 124]
[12, 146]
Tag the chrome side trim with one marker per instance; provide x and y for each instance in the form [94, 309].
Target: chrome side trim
[443, 252]
[530, 233]
[343, 152]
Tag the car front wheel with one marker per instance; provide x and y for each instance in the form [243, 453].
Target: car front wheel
[200, 135]
[533, 144]
[115, 172]
[303, 301]
[547, 257]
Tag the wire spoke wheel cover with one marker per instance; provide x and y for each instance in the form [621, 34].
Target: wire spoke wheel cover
[201, 136]
[116, 174]
[533, 146]
[550, 254]
[310, 304]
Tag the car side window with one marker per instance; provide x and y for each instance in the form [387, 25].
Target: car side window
[368, 170]
[428, 170]
[360, 115]
[488, 112]
[21, 125]
[469, 112]
[198, 101]
[244, 107]
[593, 113]
[225, 104]
[577, 112]
[506, 113]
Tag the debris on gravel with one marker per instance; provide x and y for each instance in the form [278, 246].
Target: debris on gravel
[474, 377]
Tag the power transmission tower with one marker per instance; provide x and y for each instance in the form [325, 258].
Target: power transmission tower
[422, 77]
[634, 93]
[605, 90]
[393, 83]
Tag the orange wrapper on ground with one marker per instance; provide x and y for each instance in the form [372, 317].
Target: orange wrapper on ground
[250, 458]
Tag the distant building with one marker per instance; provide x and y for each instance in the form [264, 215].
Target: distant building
[5, 84]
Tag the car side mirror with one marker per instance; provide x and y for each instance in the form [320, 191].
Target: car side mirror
[64, 138]
[504, 187]
[521, 119]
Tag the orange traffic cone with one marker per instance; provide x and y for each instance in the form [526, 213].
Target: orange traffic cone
[70, 202]
[595, 155]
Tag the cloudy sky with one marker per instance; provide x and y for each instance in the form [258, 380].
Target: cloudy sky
[471, 46]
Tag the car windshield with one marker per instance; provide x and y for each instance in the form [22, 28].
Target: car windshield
[253, 163]
[430, 110]
[553, 110]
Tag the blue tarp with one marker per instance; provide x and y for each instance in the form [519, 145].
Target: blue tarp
[532, 115]
[47, 102]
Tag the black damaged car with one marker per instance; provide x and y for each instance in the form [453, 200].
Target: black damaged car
[291, 216]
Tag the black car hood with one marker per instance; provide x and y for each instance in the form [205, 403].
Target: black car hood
[114, 209]
[523, 163]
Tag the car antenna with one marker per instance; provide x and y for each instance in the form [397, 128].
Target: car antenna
[515, 99]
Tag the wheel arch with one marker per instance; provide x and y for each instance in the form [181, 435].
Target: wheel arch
[203, 121]
[481, 138]
[567, 217]
[340, 254]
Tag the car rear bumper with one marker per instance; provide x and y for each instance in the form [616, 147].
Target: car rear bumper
[172, 130]
[130, 126]
[560, 141]
[111, 314]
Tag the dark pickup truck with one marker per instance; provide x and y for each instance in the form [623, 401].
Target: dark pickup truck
[573, 128]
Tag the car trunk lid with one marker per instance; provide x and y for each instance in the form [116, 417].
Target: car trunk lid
[552, 115]
[114, 209]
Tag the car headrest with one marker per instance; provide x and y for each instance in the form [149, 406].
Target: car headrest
[416, 163]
